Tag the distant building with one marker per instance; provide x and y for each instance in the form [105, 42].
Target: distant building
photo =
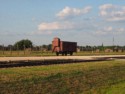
[108, 50]
[120, 50]
[97, 50]
[78, 49]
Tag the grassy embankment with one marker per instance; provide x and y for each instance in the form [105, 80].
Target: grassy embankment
[107, 77]
[49, 53]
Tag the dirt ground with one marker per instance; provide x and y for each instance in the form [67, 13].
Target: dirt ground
[2, 59]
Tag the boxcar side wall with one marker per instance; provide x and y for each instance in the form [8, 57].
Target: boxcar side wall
[68, 46]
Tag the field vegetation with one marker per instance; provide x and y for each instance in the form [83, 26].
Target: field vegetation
[49, 53]
[106, 77]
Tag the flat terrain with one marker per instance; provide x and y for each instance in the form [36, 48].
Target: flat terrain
[49, 53]
[59, 57]
[105, 77]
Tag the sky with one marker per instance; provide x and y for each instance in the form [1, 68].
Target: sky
[87, 22]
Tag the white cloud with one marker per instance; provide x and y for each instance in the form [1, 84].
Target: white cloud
[104, 31]
[49, 26]
[55, 26]
[112, 12]
[120, 31]
[71, 12]
[45, 28]
[106, 6]
[110, 30]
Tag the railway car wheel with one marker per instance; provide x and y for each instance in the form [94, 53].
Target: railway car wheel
[57, 54]
[71, 53]
[62, 54]
[65, 54]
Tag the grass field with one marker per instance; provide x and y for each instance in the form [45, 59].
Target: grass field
[26, 53]
[107, 77]
[49, 53]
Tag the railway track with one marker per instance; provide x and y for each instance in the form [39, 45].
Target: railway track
[44, 62]
[8, 62]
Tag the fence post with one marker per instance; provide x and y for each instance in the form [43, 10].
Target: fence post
[17, 49]
[24, 49]
[30, 49]
[3, 49]
[10, 50]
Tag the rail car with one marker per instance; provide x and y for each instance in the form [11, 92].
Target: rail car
[63, 47]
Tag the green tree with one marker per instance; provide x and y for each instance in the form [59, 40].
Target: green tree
[50, 47]
[44, 46]
[22, 44]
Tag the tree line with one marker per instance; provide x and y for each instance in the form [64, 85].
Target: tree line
[25, 44]
[28, 44]
[114, 48]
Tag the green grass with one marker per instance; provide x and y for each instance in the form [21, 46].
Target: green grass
[107, 77]
[88, 53]
[49, 53]
[26, 53]
[117, 89]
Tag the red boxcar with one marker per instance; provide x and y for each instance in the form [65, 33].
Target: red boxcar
[63, 47]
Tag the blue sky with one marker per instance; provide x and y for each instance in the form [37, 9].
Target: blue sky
[88, 22]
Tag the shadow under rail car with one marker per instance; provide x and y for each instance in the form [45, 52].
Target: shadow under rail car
[9, 64]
